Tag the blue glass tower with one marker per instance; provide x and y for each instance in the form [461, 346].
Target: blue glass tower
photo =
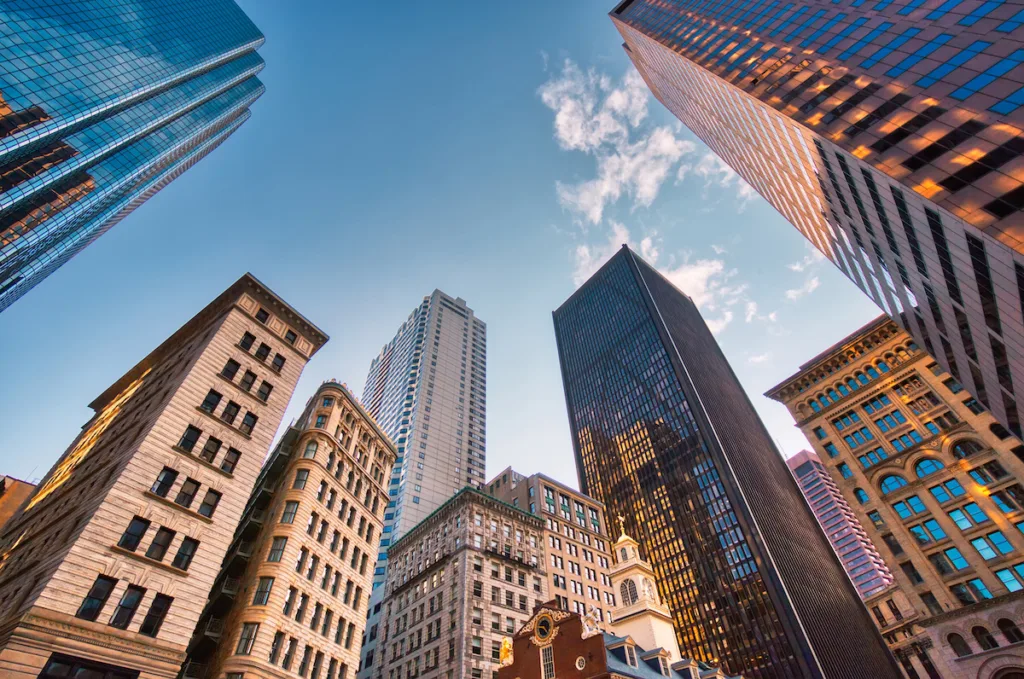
[102, 104]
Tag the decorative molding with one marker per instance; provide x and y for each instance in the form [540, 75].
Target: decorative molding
[83, 634]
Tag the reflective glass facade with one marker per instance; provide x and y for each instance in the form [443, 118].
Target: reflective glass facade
[888, 133]
[102, 104]
[665, 436]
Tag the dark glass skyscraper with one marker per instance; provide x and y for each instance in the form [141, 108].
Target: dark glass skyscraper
[665, 436]
[102, 104]
[889, 133]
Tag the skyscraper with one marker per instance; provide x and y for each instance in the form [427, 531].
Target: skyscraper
[106, 567]
[665, 436]
[102, 104]
[427, 390]
[888, 134]
[861, 560]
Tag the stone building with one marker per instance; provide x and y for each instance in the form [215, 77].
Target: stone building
[107, 566]
[458, 582]
[936, 481]
[575, 539]
[292, 594]
[13, 492]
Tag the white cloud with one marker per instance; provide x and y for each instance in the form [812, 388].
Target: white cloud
[588, 259]
[716, 173]
[718, 249]
[807, 288]
[760, 358]
[717, 325]
[812, 258]
[544, 59]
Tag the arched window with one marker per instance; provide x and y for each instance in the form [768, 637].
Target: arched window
[330, 461]
[815, 406]
[883, 366]
[926, 467]
[1010, 631]
[843, 389]
[861, 496]
[627, 590]
[999, 430]
[892, 482]
[833, 395]
[622, 554]
[861, 378]
[912, 346]
[959, 646]
[902, 353]
[824, 401]
[966, 448]
[310, 449]
[852, 384]
[872, 373]
[984, 638]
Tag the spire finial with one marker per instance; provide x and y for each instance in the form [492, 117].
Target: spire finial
[622, 524]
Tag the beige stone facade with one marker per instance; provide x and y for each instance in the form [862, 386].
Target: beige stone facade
[939, 486]
[109, 563]
[575, 539]
[292, 596]
[460, 581]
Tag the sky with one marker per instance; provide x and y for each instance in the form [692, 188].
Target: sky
[498, 151]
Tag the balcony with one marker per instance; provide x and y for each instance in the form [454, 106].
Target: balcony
[214, 628]
[193, 670]
[228, 587]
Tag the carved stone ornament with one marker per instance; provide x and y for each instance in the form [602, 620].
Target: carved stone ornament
[555, 615]
[591, 625]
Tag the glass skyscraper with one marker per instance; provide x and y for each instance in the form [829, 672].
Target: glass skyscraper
[888, 133]
[665, 436]
[427, 391]
[102, 104]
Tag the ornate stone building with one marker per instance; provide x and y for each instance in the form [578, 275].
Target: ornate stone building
[937, 483]
[108, 565]
[458, 582]
[575, 539]
[292, 594]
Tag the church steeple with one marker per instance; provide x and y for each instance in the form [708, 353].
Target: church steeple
[639, 613]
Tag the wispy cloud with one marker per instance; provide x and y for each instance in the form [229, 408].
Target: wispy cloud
[759, 358]
[812, 258]
[807, 288]
[715, 173]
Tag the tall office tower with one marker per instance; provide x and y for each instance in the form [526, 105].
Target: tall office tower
[862, 562]
[575, 538]
[427, 389]
[292, 593]
[888, 134]
[107, 566]
[665, 436]
[936, 481]
[102, 104]
[465, 577]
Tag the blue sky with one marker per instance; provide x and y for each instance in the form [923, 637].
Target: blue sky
[498, 151]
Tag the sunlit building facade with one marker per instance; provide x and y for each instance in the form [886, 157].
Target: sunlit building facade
[888, 133]
[936, 482]
[102, 104]
[665, 436]
[106, 567]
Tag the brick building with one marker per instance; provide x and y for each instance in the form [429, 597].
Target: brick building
[108, 566]
[575, 539]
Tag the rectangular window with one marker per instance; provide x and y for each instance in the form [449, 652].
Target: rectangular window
[547, 658]
[230, 412]
[162, 540]
[247, 340]
[278, 362]
[247, 638]
[155, 616]
[209, 503]
[248, 379]
[163, 482]
[97, 597]
[230, 460]
[262, 352]
[264, 391]
[187, 493]
[210, 450]
[189, 438]
[211, 402]
[126, 608]
[248, 423]
[277, 549]
[185, 553]
[230, 369]
[133, 534]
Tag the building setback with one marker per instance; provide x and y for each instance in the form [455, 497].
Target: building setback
[458, 583]
[936, 482]
[292, 593]
[889, 134]
[575, 539]
[863, 563]
[427, 389]
[665, 436]
[108, 564]
[102, 104]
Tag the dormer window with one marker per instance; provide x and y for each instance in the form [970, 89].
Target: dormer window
[664, 666]
[630, 655]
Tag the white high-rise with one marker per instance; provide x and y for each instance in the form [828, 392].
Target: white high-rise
[427, 391]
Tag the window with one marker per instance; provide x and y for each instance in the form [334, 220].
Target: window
[189, 438]
[831, 449]
[211, 402]
[926, 467]
[321, 421]
[247, 638]
[262, 352]
[988, 473]
[262, 316]
[290, 337]
[959, 646]
[126, 608]
[248, 379]
[862, 497]
[984, 638]
[277, 549]
[133, 534]
[230, 369]
[209, 503]
[819, 432]
[264, 391]
[97, 597]
[630, 655]
[278, 362]
[230, 412]
[247, 340]
[1010, 631]
[291, 508]
[210, 450]
[892, 482]
[185, 553]
[163, 482]
[310, 450]
[966, 448]
[907, 508]
[944, 492]
[248, 423]
[547, 661]
[844, 470]
[155, 615]
[301, 476]
[162, 540]
[262, 594]
[230, 460]
[187, 493]
[956, 558]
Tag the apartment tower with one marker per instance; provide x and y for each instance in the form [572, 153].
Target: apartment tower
[665, 436]
[107, 565]
[427, 390]
[102, 104]
[888, 133]
[863, 563]
[292, 592]
[936, 482]
[467, 576]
